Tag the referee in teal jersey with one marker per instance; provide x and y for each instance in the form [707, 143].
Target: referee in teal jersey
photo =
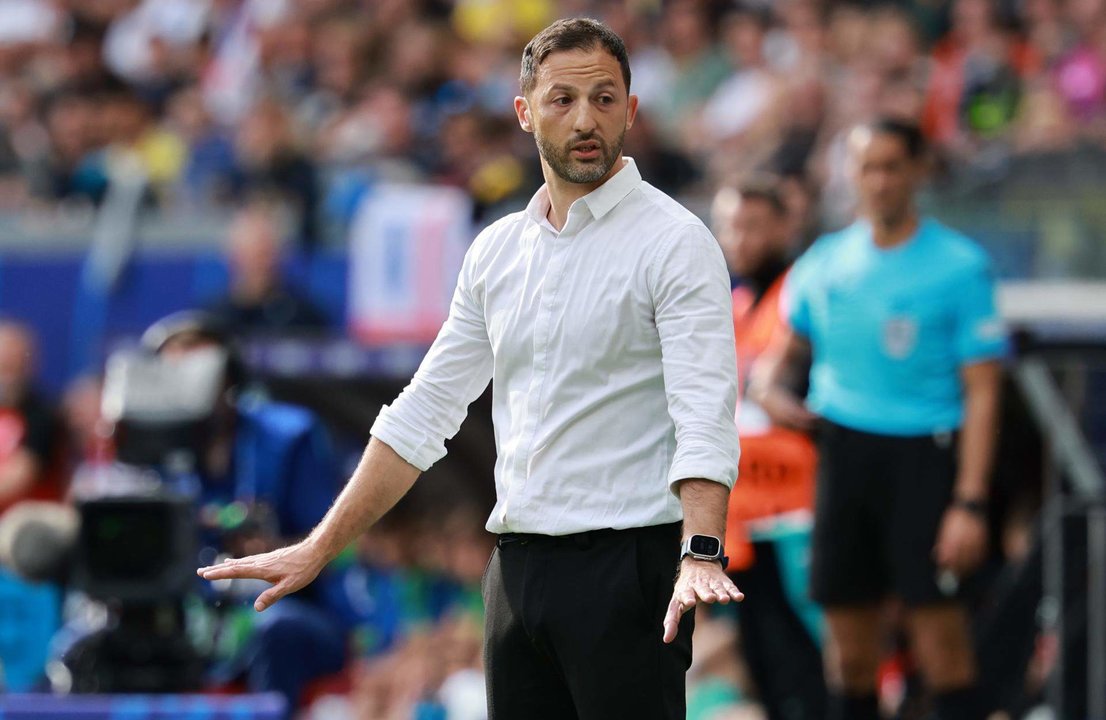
[899, 314]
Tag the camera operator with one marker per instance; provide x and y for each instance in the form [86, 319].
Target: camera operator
[276, 462]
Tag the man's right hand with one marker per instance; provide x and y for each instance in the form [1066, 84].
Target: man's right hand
[288, 569]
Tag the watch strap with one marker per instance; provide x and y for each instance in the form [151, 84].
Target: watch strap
[975, 507]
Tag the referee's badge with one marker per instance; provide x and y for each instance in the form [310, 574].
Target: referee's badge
[900, 336]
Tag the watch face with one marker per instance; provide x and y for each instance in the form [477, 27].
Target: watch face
[705, 545]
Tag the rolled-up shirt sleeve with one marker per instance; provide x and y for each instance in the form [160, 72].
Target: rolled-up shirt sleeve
[693, 313]
[454, 372]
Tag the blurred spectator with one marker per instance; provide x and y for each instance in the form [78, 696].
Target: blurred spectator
[27, 22]
[258, 301]
[892, 42]
[769, 519]
[337, 53]
[56, 169]
[806, 97]
[271, 165]
[1080, 74]
[976, 82]
[155, 46]
[232, 77]
[511, 21]
[698, 66]
[378, 130]
[134, 136]
[673, 171]
[29, 432]
[475, 158]
[308, 104]
[747, 95]
[21, 136]
[209, 173]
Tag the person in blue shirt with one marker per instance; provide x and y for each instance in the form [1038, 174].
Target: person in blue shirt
[899, 314]
[276, 461]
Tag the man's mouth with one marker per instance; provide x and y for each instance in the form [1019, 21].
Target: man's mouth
[587, 150]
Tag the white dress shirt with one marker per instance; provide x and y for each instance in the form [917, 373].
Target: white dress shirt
[611, 350]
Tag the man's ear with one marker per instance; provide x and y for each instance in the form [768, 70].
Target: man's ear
[522, 110]
[631, 111]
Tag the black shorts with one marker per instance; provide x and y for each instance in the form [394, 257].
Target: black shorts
[879, 504]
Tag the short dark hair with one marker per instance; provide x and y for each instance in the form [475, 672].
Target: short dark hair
[765, 188]
[571, 34]
[909, 133]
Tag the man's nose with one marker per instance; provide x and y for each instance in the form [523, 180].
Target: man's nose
[583, 121]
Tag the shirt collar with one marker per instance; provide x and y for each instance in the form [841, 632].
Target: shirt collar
[863, 229]
[599, 201]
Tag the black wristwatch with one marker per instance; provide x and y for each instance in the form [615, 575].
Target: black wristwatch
[704, 547]
[975, 507]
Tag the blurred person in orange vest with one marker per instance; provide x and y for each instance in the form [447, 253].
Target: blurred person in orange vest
[29, 432]
[769, 520]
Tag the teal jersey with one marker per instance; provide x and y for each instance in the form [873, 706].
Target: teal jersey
[891, 329]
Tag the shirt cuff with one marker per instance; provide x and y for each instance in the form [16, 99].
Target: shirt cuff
[704, 462]
[411, 444]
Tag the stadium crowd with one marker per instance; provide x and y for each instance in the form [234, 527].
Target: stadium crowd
[218, 100]
[224, 104]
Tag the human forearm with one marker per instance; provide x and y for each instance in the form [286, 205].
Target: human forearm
[773, 376]
[704, 503]
[380, 480]
[977, 439]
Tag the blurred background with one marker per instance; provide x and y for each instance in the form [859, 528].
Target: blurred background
[309, 174]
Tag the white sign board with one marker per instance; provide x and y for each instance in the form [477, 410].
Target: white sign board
[406, 247]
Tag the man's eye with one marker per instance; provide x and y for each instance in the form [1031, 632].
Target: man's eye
[562, 101]
[606, 99]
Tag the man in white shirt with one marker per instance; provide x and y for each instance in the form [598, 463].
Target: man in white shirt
[602, 316]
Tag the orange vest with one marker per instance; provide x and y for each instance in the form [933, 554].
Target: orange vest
[776, 470]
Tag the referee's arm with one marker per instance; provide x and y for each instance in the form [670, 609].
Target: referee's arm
[962, 540]
[980, 341]
[982, 390]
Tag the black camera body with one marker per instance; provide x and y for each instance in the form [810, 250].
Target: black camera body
[136, 548]
[135, 554]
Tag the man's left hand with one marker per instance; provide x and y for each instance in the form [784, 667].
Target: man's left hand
[699, 581]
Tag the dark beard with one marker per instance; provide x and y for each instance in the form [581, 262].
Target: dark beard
[561, 162]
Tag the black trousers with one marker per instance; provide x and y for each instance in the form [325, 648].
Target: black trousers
[574, 624]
